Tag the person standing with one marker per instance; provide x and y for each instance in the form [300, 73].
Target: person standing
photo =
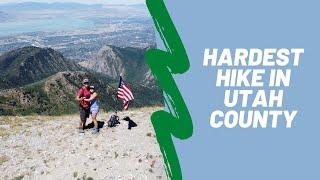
[84, 106]
[94, 108]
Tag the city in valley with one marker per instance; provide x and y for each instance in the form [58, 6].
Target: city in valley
[78, 31]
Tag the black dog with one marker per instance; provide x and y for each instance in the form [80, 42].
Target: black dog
[131, 123]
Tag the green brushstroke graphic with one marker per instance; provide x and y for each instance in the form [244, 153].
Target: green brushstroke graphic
[163, 64]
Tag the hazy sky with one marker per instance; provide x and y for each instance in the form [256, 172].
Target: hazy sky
[80, 1]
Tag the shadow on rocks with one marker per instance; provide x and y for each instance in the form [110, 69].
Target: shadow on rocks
[91, 125]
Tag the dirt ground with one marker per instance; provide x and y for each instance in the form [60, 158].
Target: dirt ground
[44, 147]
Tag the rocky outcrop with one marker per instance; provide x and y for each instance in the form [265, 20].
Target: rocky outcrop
[128, 62]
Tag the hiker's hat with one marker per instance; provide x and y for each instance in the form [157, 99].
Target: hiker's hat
[92, 87]
[85, 81]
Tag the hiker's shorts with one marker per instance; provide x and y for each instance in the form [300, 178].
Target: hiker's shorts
[84, 113]
[94, 111]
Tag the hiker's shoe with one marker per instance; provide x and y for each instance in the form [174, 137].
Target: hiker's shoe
[81, 131]
[95, 130]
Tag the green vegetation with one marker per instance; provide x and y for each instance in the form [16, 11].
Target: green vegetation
[55, 95]
[18, 177]
[31, 64]
[45, 83]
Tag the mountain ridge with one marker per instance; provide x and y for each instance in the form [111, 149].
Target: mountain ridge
[30, 64]
[56, 95]
[41, 81]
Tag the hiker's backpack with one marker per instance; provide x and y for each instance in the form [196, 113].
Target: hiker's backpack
[113, 121]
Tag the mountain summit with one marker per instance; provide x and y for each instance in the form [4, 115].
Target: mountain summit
[30, 64]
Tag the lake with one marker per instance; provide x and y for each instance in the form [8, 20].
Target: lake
[45, 25]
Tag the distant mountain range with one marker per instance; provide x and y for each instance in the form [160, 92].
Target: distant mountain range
[42, 81]
[61, 5]
[39, 5]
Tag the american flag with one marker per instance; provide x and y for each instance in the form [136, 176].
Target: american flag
[124, 93]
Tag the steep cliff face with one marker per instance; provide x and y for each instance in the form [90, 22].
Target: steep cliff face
[128, 62]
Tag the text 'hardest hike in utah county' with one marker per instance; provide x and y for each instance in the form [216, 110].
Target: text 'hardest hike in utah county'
[255, 81]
